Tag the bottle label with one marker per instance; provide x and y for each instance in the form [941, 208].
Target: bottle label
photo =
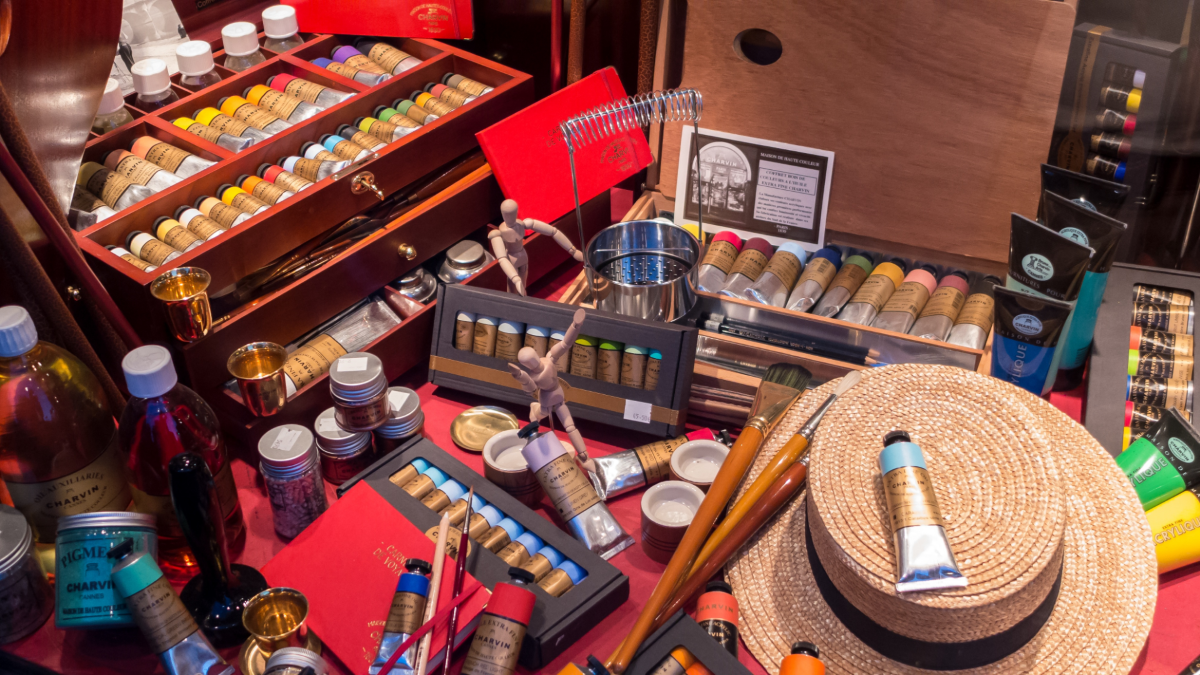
[910, 499]
[136, 261]
[312, 360]
[167, 156]
[342, 69]
[457, 98]
[387, 56]
[246, 203]
[910, 298]
[155, 252]
[850, 277]
[308, 168]
[304, 90]
[136, 170]
[417, 113]
[656, 458]
[364, 140]
[583, 360]
[85, 201]
[179, 238]
[507, 346]
[652, 370]
[99, 486]
[608, 367]
[108, 186]
[570, 491]
[227, 125]
[224, 214]
[267, 192]
[363, 63]
[785, 267]
[946, 301]
[161, 616]
[495, 647]
[407, 613]
[819, 270]
[206, 132]
[874, 291]
[978, 311]
[464, 335]
[749, 264]
[278, 103]
[291, 182]
[254, 116]
[1168, 318]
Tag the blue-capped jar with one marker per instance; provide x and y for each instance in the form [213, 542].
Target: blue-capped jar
[83, 571]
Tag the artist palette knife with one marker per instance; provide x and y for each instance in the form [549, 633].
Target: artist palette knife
[635, 112]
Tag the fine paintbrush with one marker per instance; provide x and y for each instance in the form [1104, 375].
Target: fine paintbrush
[459, 569]
[781, 386]
[435, 590]
[795, 450]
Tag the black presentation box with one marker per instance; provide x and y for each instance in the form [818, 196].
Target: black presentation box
[557, 623]
[683, 631]
[448, 366]
[1105, 418]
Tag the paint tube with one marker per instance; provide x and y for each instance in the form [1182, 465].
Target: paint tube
[974, 322]
[1090, 192]
[628, 470]
[853, 273]
[89, 208]
[1162, 296]
[311, 169]
[1164, 462]
[1047, 264]
[161, 616]
[280, 104]
[137, 170]
[874, 292]
[406, 615]
[722, 252]
[924, 561]
[1159, 392]
[1176, 527]
[779, 276]
[900, 312]
[1158, 342]
[821, 270]
[747, 268]
[1028, 330]
[938, 317]
[1102, 234]
[576, 500]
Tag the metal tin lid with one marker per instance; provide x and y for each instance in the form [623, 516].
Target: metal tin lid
[295, 657]
[357, 376]
[465, 254]
[81, 521]
[334, 440]
[287, 451]
[16, 537]
[404, 413]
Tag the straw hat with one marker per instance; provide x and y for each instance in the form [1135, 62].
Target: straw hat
[1049, 533]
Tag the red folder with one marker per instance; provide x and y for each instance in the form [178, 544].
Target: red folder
[436, 19]
[529, 157]
[347, 563]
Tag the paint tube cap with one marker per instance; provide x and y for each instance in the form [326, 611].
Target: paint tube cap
[322, 62]
[436, 475]
[531, 542]
[1130, 125]
[279, 21]
[900, 454]
[683, 656]
[279, 82]
[330, 141]
[890, 270]
[347, 131]
[1135, 337]
[239, 38]
[575, 572]
[593, 663]
[831, 254]
[587, 341]
[702, 435]
[537, 331]
[551, 554]
[806, 648]
[512, 601]
[17, 332]
[453, 489]
[365, 44]
[230, 104]
[138, 574]
[413, 583]
[309, 149]
[289, 163]
[206, 115]
[729, 237]
[1134, 101]
[446, 79]
[986, 285]
[655, 354]
[1134, 358]
[491, 514]
[418, 566]
[477, 503]
[1128, 412]
[924, 277]
[419, 464]
[402, 105]
[612, 346]
[955, 279]
[634, 349]
[150, 76]
[343, 52]
[113, 100]
[149, 372]
[861, 261]
[465, 316]
[718, 585]
[758, 244]
[263, 169]
[512, 527]
[795, 249]
[433, 88]
[557, 334]
[195, 58]
[112, 159]
[541, 451]
[142, 145]
[1119, 174]
[254, 93]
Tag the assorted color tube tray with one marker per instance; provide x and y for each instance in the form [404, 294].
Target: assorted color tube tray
[557, 622]
[683, 631]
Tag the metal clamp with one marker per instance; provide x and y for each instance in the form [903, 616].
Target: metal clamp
[407, 251]
[365, 182]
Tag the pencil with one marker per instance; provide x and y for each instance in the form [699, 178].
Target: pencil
[459, 570]
[435, 588]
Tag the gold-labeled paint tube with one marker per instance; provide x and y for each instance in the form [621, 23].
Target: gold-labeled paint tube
[1161, 296]
[1158, 342]
[349, 332]
[405, 616]
[1159, 393]
[1165, 318]
[1165, 366]
[648, 464]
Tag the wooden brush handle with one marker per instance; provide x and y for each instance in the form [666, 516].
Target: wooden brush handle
[783, 459]
[733, 470]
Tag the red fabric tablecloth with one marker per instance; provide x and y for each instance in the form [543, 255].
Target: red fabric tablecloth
[1174, 640]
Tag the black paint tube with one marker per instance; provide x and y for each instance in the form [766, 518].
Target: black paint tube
[1084, 226]
[1098, 194]
[1028, 329]
[1043, 261]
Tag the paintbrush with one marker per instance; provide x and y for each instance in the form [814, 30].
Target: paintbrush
[796, 449]
[459, 568]
[435, 590]
[781, 386]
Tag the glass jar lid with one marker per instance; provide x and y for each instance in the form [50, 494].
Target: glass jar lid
[97, 519]
[404, 413]
[295, 657]
[287, 451]
[16, 537]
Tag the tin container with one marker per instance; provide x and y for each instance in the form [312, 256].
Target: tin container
[648, 269]
[359, 389]
[343, 453]
[83, 570]
[418, 284]
[26, 600]
[405, 419]
[504, 465]
[462, 261]
[290, 466]
[293, 661]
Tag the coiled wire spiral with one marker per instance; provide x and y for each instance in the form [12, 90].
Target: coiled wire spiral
[635, 112]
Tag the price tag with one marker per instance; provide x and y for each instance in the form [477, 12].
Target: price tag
[327, 424]
[352, 365]
[637, 411]
[396, 400]
[287, 438]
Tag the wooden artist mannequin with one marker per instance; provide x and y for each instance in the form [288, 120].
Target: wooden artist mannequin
[508, 245]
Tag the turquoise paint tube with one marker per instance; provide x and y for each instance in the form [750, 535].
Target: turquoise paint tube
[1046, 264]
[1080, 224]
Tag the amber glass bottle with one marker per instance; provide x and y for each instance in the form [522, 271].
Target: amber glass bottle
[58, 449]
[162, 419]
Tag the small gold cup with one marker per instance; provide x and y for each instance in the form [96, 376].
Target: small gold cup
[258, 368]
[275, 619]
[183, 292]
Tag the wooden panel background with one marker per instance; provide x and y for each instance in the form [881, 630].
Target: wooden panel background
[939, 111]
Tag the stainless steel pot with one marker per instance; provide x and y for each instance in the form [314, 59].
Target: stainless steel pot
[645, 269]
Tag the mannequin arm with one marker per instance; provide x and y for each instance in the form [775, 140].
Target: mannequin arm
[527, 383]
[559, 238]
[510, 271]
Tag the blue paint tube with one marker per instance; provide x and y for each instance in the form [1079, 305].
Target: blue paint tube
[1046, 264]
[1028, 329]
[1078, 223]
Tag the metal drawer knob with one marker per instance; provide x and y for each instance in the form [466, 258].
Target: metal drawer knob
[407, 251]
[365, 182]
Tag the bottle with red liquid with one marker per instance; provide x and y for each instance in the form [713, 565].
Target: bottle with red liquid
[162, 419]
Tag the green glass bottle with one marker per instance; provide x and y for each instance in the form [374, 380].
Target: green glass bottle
[59, 454]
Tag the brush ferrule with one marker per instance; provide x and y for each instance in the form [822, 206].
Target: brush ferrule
[810, 427]
[760, 423]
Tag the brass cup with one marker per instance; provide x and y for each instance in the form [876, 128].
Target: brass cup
[185, 300]
[258, 368]
[275, 619]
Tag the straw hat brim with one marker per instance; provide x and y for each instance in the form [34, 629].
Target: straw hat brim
[1109, 583]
